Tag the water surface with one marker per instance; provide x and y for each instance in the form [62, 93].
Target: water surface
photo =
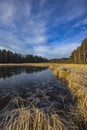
[35, 84]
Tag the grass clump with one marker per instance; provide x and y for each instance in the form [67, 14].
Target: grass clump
[32, 118]
[76, 78]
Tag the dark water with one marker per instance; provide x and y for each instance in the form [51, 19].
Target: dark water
[35, 84]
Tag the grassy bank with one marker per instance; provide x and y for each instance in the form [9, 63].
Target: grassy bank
[76, 78]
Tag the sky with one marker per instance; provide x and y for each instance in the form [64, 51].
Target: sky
[48, 28]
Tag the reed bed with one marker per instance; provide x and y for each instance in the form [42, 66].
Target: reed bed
[75, 77]
[32, 118]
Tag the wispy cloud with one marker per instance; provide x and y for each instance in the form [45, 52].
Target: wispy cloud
[7, 11]
[56, 50]
[81, 23]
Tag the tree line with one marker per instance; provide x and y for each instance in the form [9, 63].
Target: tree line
[7, 56]
[78, 56]
[60, 60]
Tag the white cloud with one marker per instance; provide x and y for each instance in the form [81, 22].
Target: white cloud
[35, 30]
[36, 40]
[57, 51]
[2, 47]
[11, 10]
[7, 11]
[10, 41]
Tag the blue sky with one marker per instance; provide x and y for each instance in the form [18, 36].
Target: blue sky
[49, 28]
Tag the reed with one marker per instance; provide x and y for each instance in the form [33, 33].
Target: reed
[76, 78]
[31, 118]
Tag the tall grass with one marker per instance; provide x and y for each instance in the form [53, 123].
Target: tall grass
[31, 118]
[76, 78]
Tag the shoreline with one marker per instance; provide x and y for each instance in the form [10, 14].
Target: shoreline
[76, 78]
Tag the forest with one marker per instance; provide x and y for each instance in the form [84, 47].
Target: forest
[7, 56]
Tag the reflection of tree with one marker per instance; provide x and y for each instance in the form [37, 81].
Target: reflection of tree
[34, 69]
[10, 71]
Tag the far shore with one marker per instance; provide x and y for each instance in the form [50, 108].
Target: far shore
[38, 64]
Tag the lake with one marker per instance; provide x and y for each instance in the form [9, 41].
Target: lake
[34, 84]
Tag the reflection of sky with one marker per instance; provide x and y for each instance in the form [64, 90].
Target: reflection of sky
[41, 88]
[22, 78]
[28, 82]
[50, 28]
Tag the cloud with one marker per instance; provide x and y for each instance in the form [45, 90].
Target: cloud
[1, 47]
[56, 51]
[36, 40]
[35, 30]
[7, 11]
[42, 3]
[12, 11]
[69, 10]
[10, 41]
[81, 23]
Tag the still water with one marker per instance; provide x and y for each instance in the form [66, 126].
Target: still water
[35, 84]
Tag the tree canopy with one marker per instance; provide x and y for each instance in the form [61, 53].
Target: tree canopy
[7, 56]
[80, 54]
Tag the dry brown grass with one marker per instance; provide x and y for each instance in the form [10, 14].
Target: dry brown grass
[31, 118]
[76, 78]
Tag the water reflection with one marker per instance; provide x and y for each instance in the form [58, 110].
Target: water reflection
[35, 84]
[10, 71]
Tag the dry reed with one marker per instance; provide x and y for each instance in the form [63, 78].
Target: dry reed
[31, 118]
